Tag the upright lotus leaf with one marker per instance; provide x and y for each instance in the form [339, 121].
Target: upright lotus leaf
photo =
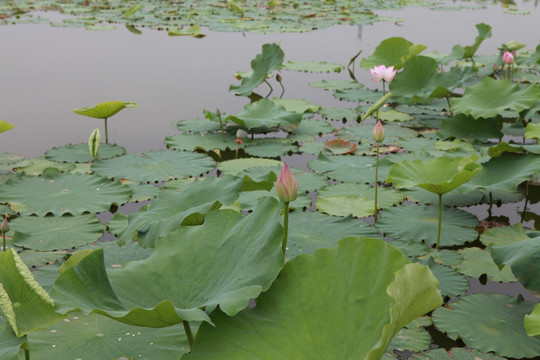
[490, 97]
[420, 79]
[522, 258]
[5, 126]
[467, 127]
[467, 52]
[105, 110]
[341, 303]
[532, 322]
[266, 114]
[172, 208]
[269, 60]
[226, 261]
[532, 131]
[10, 344]
[394, 51]
[23, 301]
[60, 194]
[440, 175]
[93, 143]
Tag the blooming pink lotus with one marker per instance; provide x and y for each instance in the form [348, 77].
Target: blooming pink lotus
[383, 73]
[286, 185]
[508, 58]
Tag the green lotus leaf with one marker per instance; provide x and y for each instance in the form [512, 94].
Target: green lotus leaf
[348, 168]
[532, 131]
[23, 301]
[197, 125]
[490, 322]
[269, 60]
[410, 248]
[10, 344]
[439, 176]
[101, 27]
[98, 337]
[444, 257]
[33, 258]
[503, 147]
[451, 199]
[394, 51]
[420, 79]
[205, 142]
[354, 199]
[457, 354]
[247, 201]
[310, 231]
[532, 322]
[299, 106]
[79, 153]
[225, 261]
[451, 283]
[363, 132]
[393, 115]
[266, 114]
[504, 173]
[104, 110]
[331, 325]
[521, 257]
[339, 114]
[269, 147]
[5, 126]
[467, 127]
[309, 129]
[236, 166]
[411, 339]
[56, 232]
[172, 208]
[477, 262]
[154, 166]
[312, 66]
[490, 97]
[10, 158]
[36, 166]
[357, 95]
[504, 235]
[337, 84]
[419, 223]
[194, 31]
[60, 194]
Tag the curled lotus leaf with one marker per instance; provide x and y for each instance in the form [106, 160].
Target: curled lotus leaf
[104, 110]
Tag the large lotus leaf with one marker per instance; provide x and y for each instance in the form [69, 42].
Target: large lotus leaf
[348, 310]
[456, 354]
[522, 257]
[439, 176]
[312, 66]
[490, 322]
[33, 258]
[10, 344]
[419, 223]
[266, 114]
[171, 208]
[10, 158]
[269, 60]
[37, 166]
[393, 51]
[477, 262]
[226, 261]
[490, 97]
[451, 199]
[5, 126]
[247, 201]
[310, 231]
[532, 131]
[79, 152]
[56, 232]
[60, 194]
[336, 84]
[338, 114]
[197, 125]
[357, 95]
[420, 79]
[23, 301]
[451, 283]
[236, 166]
[154, 166]
[415, 339]
[299, 106]
[309, 128]
[269, 147]
[532, 322]
[348, 168]
[104, 110]
[355, 199]
[504, 173]
[467, 127]
[98, 337]
[503, 235]
[204, 142]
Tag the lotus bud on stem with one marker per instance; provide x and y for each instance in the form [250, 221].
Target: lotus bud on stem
[279, 80]
[508, 59]
[4, 228]
[378, 136]
[287, 191]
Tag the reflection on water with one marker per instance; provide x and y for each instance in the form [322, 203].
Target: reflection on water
[48, 71]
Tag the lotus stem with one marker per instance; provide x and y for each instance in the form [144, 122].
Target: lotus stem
[221, 126]
[4, 240]
[490, 204]
[376, 181]
[440, 222]
[383, 87]
[106, 133]
[524, 206]
[285, 226]
[449, 106]
[270, 86]
[26, 354]
[189, 334]
[282, 90]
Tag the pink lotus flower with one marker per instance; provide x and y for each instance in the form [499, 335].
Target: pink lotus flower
[286, 185]
[508, 58]
[378, 132]
[383, 73]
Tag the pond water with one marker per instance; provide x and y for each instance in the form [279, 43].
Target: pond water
[47, 71]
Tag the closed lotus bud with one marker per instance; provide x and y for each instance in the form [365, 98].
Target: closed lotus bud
[378, 132]
[508, 58]
[239, 141]
[218, 113]
[241, 134]
[286, 185]
[5, 226]
[278, 78]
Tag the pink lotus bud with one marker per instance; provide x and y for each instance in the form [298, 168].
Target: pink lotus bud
[286, 185]
[5, 226]
[378, 132]
[382, 72]
[508, 58]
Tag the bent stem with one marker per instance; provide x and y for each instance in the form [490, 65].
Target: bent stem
[440, 222]
[524, 206]
[376, 181]
[189, 334]
[106, 133]
[285, 226]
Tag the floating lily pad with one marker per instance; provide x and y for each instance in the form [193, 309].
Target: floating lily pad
[154, 166]
[312, 66]
[348, 168]
[299, 106]
[455, 353]
[490, 322]
[268, 147]
[504, 235]
[197, 125]
[236, 166]
[451, 283]
[79, 152]
[9, 158]
[477, 262]
[265, 114]
[337, 84]
[36, 166]
[309, 129]
[204, 142]
[60, 194]
[419, 223]
[340, 146]
[415, 339]
[339, 114]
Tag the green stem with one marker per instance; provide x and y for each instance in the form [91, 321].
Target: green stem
[440, 222]
[221, 126]
[285, 226]
[270, 86]
[106, 133]
[524, 206]
[4, 240]
[383, 88]
[189, 334]
[376, 181]
[26, 349]
[26, 354]
[490, 205]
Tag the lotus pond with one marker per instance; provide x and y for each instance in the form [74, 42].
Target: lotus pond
[415, 238]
